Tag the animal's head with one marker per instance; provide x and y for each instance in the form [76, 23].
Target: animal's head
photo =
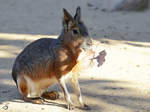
[75, 33]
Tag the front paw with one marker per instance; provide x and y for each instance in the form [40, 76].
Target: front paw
[70, 106]
[85, 107]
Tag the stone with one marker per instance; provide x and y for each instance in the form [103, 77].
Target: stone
[132, 5]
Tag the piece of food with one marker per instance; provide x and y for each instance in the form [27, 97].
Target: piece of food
[100, 58]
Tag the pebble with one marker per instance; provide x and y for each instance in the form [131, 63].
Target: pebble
[42, 108]
[89, 5]
[5, 107]
[5, 91]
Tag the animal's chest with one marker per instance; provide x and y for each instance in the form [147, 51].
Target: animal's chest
[67, 68]
[65, 61]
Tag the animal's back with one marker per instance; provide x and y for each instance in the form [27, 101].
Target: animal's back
[35, 59]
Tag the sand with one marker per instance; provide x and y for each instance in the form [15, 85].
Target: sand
[121, 84]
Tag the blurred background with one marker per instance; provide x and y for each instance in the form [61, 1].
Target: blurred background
[115, 19]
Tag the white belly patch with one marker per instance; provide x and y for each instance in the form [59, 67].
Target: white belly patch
[36, 88]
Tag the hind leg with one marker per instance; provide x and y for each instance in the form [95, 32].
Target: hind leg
[27, 91]
[52, 95]
[33, 100]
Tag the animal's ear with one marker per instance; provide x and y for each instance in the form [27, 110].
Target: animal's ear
[68, 21]
[77, 16]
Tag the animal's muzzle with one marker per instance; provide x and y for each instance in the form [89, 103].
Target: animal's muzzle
[87, 44]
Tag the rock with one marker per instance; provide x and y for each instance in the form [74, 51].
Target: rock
[104, 10]
[5, 107]
[89, 5]
[132, 5]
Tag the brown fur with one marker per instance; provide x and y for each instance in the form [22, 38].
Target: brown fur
[65, 61]
[23, 86]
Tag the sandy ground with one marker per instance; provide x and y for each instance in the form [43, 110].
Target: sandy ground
[122, 84]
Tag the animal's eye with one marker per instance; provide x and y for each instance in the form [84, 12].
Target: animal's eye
[75, 31]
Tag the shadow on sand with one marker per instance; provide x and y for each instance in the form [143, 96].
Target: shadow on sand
[90, 92]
